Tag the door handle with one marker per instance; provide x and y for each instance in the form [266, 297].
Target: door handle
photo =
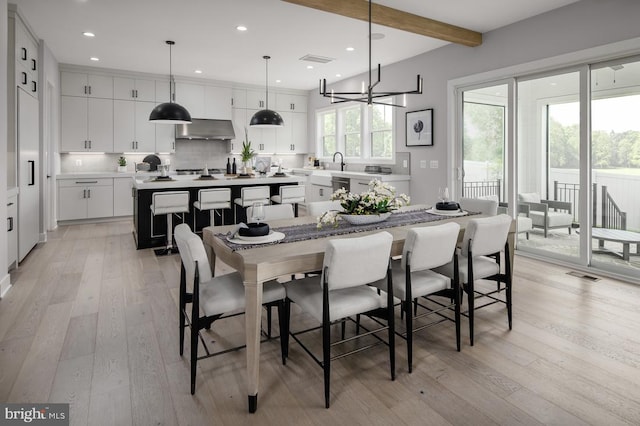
[33, 64]
[24, 77]
[89, 191]
[24, 53]
[10, 224]
[34, 86]
[32, 172]
[84, 193]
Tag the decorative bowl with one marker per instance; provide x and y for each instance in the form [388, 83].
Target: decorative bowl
[365, 219]
[254, 230]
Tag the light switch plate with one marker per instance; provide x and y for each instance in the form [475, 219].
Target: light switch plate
[423, 164]
[433, 164]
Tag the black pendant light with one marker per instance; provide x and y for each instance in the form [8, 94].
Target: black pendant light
[170, 112]
[266, 117]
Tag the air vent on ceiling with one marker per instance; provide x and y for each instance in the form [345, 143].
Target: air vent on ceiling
[316, 58]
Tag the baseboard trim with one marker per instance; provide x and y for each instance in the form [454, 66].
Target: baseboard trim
[5, 285]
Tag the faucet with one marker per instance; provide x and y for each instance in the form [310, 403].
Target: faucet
[341, 160]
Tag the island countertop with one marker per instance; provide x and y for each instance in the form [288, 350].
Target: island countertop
[194, 181]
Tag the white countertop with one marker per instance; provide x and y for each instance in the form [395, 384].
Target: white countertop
[192, 181]
[95, 175]
[371, 176]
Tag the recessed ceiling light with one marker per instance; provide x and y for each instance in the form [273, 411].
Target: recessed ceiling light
[93, 58]
[338, 75]
[198, 71]
[309, 67]
[278, 81]
[350, 49]
[241, 28]
[88, 34]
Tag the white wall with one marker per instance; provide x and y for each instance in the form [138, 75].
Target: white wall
[582, 25]
[49, 135]
[4, 17]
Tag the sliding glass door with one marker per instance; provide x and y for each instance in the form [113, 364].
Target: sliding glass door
[548, 165]
[484, 141]
[570, 172]
[615, 165]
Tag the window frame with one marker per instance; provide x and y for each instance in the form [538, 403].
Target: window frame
[366, 133]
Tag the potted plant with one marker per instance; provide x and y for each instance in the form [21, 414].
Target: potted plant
[247, 153]
[122, 164]
[371, 206]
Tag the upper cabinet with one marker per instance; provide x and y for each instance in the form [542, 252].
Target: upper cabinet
[87, 124]
[26, 55]
[294, 103]
[239, 98]
[257, 99]
[87, 85]
[134, 89]
[205, 101]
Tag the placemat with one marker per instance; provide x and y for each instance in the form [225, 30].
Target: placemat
[310, 231]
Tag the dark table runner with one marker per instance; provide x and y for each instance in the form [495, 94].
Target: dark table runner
[311, 231]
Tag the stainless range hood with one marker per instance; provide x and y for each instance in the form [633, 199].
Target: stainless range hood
[202, 129]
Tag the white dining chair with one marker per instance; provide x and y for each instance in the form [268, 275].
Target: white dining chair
[250, 195]
[426, 248]
[350, 264]
[216, 297]
[483, 241]
[290, 194]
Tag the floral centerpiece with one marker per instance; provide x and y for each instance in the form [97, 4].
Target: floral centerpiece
[374, 205]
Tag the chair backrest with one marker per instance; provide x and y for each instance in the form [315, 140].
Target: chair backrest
[529, 197]
[488, 235]
[214, 195]
[274, 212]
[316, 208]
[428, 247]
[170, 201]
[249, 194]
[351, 262]
[294, 193]
[191, 250]
[481, 205]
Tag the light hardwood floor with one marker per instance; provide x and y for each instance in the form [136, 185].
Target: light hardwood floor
[93, 322]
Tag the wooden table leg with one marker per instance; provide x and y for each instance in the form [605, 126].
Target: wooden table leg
[253, 295]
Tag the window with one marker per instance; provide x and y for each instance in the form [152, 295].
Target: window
[345, 129]
[327, 133]
[381, 131]
[352, 131]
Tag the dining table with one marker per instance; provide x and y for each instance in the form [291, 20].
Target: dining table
[304, 253]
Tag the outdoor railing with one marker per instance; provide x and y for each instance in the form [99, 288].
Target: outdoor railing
[482, 189]
[611, 216]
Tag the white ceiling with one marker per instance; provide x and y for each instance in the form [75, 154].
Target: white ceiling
[130, 35]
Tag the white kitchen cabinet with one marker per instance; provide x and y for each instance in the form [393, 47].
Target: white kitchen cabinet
[239, 120]
[26, 59]
[134, 89]
[256, 99]
[132, 131]
[87, 124]
[263, 140]
[86, 85]
[165, 138]
[239, 98]
[217, 102]
[85, 198]
[191, 96]
[12, 229]
[318, 192]
[292, 138]
[288, 102]
[162, 91]
[123, 196]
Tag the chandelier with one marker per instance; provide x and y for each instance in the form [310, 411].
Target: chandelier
[367, 94]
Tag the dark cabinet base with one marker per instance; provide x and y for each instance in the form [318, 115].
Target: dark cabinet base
[150, 231]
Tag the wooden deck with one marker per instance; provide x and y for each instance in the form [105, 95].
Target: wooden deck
[92, 321]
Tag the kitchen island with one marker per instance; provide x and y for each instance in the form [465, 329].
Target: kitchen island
[150, 231]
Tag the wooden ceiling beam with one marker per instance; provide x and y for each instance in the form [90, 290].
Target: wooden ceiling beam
[394, 18]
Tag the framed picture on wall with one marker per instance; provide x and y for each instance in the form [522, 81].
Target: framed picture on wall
[420, 128]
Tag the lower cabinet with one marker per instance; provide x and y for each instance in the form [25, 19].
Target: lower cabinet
[12, 230]
[123, 196]
[318, 192]
[85, 198]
